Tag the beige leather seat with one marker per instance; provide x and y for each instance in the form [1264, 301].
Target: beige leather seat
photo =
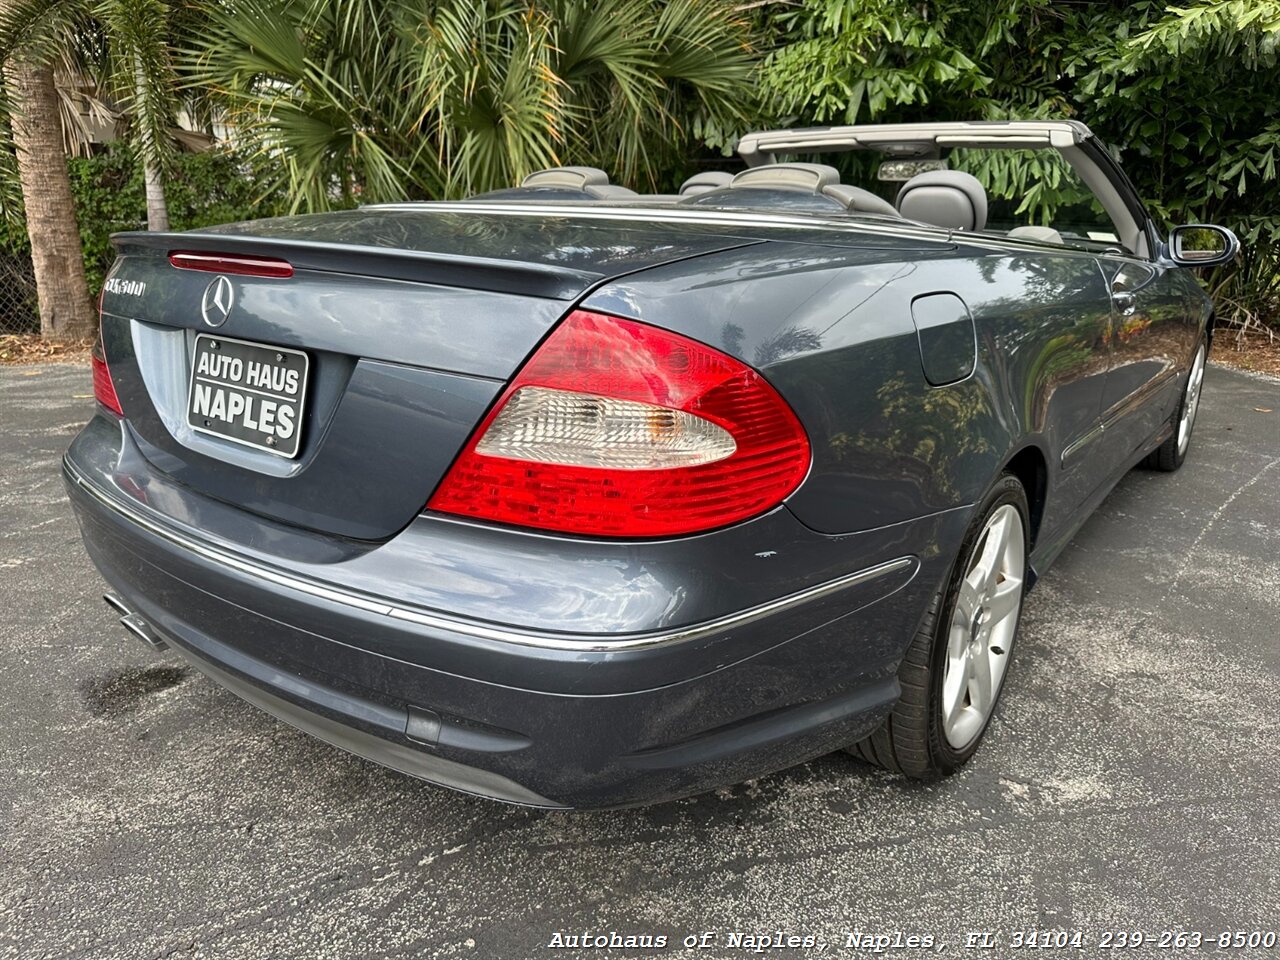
[945, 198]
[705, 182]
[861, 201]
[591, 180]
[818, 179]
[1039, 234]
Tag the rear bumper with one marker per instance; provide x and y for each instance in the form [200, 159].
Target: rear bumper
[509, 712]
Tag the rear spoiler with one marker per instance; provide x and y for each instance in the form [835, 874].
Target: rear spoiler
[479, 273]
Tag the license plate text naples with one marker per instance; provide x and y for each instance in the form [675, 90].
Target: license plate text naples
[248, 393]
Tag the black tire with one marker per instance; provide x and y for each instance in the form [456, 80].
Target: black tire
[1168, 457]
[912, 740]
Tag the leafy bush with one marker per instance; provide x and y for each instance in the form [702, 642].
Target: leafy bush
[204, 189]
[1181, 89]
[1183, 92]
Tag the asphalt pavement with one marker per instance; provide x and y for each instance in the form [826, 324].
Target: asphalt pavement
[1129, 783]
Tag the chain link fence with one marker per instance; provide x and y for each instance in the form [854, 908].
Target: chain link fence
[18, 304]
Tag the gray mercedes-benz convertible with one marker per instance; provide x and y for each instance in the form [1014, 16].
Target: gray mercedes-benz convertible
[572, 497]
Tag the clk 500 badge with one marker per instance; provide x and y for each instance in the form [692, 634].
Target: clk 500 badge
[132, 288]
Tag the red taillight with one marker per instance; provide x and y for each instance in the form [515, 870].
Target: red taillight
[615, 428]
[104, 391]
[232, 263]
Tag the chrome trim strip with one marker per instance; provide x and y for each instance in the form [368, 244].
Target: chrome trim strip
[1078, 445]
[1126, 405]
[583, 643]
[592, 643]
[595, 210]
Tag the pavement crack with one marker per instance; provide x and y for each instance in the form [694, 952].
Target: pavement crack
[1213, 519]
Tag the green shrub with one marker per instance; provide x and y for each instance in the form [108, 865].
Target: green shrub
[1184, 92]
[203, 189]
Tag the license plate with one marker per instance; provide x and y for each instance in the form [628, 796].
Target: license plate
[248, 393]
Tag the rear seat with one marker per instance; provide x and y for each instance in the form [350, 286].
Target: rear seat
[814, 181]
[705, 182]
[590, 180]
[1039, 234]
[801, 177]
[563, 183]
[862, 201]
[813, 186]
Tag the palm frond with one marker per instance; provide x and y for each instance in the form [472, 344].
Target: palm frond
[142, 72]
[42, 30]
[379, 101]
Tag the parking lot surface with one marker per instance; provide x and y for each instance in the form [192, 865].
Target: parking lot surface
[1130, 780]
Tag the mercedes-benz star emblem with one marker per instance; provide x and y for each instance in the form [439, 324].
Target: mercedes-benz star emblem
[217, 302]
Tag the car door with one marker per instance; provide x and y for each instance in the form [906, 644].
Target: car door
[1153, 333]
[1060, 342]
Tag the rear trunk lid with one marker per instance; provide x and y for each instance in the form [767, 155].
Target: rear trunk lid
[396, 330]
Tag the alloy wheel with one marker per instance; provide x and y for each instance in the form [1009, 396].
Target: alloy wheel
[1191, 403]
[982, 627]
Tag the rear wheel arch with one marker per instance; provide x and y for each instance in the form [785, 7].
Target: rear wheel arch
[917, 739]
[1030, 466]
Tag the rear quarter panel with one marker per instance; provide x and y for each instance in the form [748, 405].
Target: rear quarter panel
[831, 327]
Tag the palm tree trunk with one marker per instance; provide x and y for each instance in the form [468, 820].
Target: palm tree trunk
[157, 205]
[66, 311]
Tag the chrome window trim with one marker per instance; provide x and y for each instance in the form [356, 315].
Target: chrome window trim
[667, 213]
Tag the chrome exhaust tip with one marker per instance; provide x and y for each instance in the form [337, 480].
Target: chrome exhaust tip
[139, 628]
[116, 604]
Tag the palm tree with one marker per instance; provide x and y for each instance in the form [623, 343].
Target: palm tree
[66, 311]
[140, 71]
[121, 49]
[383, 101]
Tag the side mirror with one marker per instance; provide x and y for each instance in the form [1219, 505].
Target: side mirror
[1202, 245]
